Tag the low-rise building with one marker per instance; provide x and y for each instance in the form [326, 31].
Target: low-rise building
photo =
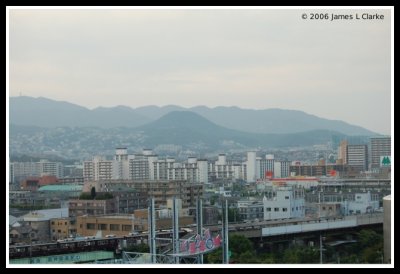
[62, 228]
[250, 209]
[33, 183]
[35, 226]
[123, 224]
[79, 207]
[161, 190]
[283, 202]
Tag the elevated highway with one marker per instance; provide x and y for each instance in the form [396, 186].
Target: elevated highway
[261, 229]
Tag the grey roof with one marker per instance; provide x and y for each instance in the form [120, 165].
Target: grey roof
[46, 214]
[12, 219]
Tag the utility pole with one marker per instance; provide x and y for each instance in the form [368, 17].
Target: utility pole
[225, 236]
[152, 230]
[199, 220]
[175, 229]
[30, 247]
[320, 248]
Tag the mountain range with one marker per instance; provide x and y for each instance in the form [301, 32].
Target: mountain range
[40, 125]
[43, 112]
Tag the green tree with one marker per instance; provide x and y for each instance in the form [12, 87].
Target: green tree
[268, 258]
[370, 246]
[85, 196]
[93, 192]
[368, 237]
[248, 257]
[141, 248]
[233, 215]
[242, 250]
[301, 255]
[239, 244]
[214, 257]
[350, 259]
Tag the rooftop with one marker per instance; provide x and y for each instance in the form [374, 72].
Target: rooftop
[46, 214]
[61, 188]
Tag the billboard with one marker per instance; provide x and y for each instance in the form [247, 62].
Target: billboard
[385, 161]
[199, 244]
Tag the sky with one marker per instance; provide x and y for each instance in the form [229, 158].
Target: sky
[250, 58]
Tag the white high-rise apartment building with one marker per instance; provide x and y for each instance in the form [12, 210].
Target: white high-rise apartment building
[144, 166]
[121, 159]
[202, 168]
[21, 170]
[251, 167]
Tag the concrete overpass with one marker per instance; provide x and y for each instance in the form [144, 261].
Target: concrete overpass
[253, 230]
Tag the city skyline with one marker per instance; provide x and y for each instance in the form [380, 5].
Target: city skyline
[255, 59]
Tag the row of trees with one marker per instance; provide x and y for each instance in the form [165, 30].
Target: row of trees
[367, 249]
[93, 195]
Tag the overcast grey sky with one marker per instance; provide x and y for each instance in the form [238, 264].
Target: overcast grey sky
[247, 58]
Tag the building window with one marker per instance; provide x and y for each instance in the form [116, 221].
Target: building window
[268, 209]
[284, 209]
[276, 209]
[114, 227]
[52, 223]
[286, 197]
[126, 227]
[90, 226]
[102, 226]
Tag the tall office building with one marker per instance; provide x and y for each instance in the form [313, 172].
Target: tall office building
[267, 166]
[342, 152]
[380, 146]
[357, 157]
[281, 169]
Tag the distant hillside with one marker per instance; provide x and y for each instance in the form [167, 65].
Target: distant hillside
[44, 112]
[185, 129]
[189, 128]
[275, 121]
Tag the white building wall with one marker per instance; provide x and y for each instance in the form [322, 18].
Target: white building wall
[121, 165]
[285, 203]
[285, 169]
[258, 168]
[202, 167]
[277, 169]
[237, 172]
[363, 203]
[221, 160]
[152, 159]
[251, 167]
